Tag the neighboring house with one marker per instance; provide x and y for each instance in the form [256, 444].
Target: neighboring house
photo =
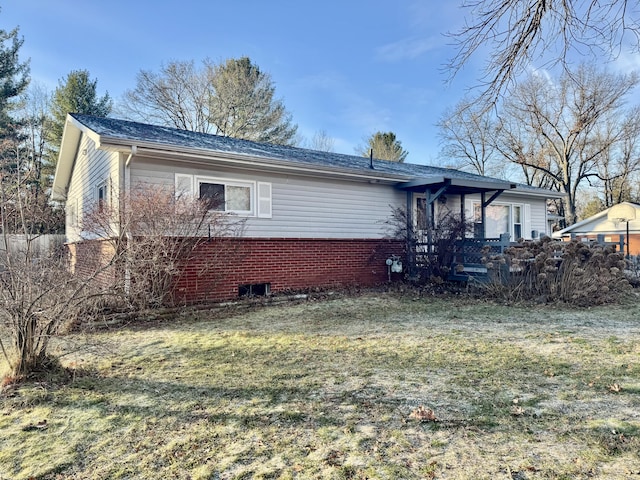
[609, 226]
[313, 219]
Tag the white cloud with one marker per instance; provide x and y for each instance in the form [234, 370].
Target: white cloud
[406, 49]
[543, 73]
[627, 62]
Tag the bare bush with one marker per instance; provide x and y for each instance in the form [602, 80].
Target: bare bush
[38, 295]
[429, 249]
[39, 299]
[156, 235]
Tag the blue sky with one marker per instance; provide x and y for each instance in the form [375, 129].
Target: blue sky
[349, 68]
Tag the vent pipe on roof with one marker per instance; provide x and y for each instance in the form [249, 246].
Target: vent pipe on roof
[371, 158]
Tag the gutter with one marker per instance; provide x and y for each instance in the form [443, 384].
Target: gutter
[249, 162]
[132, 153]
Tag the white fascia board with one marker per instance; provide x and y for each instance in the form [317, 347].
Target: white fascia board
[69, 146]
[538, 193]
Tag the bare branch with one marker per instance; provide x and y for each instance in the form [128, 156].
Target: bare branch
[519, 33]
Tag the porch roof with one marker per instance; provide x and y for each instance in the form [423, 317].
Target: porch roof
[456, 185]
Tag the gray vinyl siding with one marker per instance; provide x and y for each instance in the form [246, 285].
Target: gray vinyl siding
[302, 206]
[310, 207]
[92, 168]
[537, 210]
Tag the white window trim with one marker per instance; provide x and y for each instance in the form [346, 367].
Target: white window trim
[102, 185]
[183, 185]
[524, 212]
[232, 183]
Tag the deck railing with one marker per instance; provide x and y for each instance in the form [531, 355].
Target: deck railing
[463, 258]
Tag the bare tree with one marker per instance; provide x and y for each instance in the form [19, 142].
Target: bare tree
[233, 99]
[466, 133]
[34, 111]
[322, 142]
[521, 147]
[521, 32]
[620, 162]
[176, 96]
[563, 131]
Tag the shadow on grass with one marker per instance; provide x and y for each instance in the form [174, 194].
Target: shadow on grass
[248, 406]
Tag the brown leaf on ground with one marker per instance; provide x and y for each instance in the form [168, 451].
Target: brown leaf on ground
[423, 414]
[615, 388]
[517, 410]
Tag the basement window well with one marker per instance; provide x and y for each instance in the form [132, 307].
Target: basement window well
[254, 290]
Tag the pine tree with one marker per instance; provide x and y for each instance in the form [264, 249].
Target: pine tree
[77, 93]
[385, 146]
[14, 77]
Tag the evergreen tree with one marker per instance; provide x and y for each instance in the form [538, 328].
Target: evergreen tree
[14, 78]
[385, 146]
[77, 93]
[14, 171]
[244, 104]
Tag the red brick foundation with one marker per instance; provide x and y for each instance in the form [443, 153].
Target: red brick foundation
[90, 259]
[286, 264]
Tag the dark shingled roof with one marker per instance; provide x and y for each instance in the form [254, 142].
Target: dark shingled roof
[131, 132]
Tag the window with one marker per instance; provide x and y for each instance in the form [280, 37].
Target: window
[517, 221]
[254, 290]
[477, 220]
[227, 197]
[102, 196]
[500, 218]
[224, 195]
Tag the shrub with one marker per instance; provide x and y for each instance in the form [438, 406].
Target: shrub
[573, 272]
[429, 265]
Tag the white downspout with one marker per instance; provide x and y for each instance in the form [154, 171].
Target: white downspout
[125, 191]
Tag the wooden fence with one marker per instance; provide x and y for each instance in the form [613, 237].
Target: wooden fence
[42, 244]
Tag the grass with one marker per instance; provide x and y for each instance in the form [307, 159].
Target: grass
[326, 390]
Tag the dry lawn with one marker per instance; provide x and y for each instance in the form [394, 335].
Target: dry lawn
[332, 389]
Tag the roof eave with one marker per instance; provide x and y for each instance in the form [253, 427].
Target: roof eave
[69, 145]
[539, 192]
[196, 155]
[434, 181]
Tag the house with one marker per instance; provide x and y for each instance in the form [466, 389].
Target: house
[313, 219]
[614, 225]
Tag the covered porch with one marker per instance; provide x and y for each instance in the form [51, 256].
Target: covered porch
[460, 253]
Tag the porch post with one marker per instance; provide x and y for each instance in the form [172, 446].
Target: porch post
[428, 220]
[462, 215]
[410, 240]
[483, 214]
